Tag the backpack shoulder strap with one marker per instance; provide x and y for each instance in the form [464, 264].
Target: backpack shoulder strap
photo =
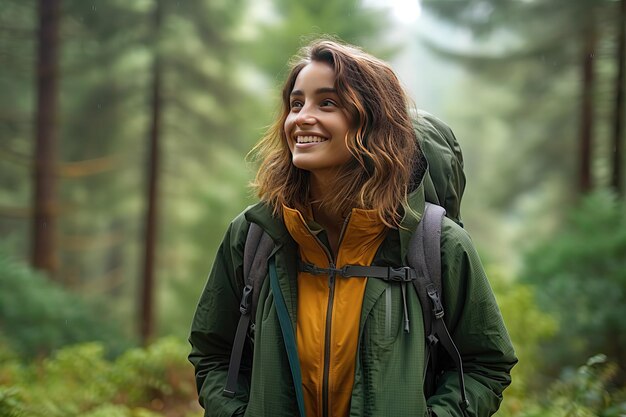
[249, 250]
[424, 256]
[256, 251]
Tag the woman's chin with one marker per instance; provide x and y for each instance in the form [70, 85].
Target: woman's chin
[303, 163]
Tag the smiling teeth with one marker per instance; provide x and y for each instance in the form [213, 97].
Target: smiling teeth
[310, 139]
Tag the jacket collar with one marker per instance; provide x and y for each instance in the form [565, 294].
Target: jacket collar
[261, 214]
[361, 229]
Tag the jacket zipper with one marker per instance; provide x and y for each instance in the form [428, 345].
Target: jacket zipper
[329, 319]
[329, 314]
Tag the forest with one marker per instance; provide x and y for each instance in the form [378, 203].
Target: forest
[125, 132]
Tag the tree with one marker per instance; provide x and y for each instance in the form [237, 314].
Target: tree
[589, 42]
[154, 151]
[45, 205]
[617, 178]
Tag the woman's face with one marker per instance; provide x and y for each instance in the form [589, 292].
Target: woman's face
[316, 126]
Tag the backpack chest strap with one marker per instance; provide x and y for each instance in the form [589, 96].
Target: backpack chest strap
[386, 273]
[401, 275]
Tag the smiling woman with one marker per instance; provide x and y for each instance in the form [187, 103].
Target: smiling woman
[342, 185]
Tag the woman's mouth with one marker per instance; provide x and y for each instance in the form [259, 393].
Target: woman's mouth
[310, 139]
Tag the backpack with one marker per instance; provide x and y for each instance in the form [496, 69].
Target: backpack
[444, 184]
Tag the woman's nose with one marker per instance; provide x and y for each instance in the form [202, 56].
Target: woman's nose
[305, 117]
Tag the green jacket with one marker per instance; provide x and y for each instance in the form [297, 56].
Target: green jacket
[390, 365]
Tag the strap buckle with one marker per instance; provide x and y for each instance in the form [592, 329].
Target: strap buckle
[400, 274]
[433, 294]
[244, 305]
[432, 340]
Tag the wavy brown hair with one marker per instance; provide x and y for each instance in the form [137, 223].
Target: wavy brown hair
[382, 139]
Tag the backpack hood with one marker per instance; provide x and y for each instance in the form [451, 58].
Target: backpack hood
[440, 168]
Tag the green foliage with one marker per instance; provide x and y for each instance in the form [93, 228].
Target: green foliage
[527, 330]
[38, 316]
[528, 326]
[587, 392]
[580, 276]
[79, 381]
[111, 410]
[157, 370]
[11, 403]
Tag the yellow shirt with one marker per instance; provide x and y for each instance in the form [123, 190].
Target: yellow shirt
[331, 310]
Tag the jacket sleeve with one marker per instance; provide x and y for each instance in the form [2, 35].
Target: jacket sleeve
[214, 325]
[477, 328]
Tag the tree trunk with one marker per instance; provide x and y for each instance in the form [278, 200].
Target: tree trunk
[587, 116]
[44, 256]
[617, 177]
[146, 325]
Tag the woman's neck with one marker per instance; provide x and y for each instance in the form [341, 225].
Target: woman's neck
[330, 220]
[331, 223]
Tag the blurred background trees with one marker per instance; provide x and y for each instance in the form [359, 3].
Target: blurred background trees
[533, 47]
[153, 107]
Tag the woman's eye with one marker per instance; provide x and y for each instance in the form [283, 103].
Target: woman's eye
[327, 103]
[296, 104]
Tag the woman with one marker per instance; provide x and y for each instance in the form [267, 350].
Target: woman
[340, 183]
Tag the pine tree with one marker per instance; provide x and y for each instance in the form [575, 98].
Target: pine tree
[617, 177]
[44, 224]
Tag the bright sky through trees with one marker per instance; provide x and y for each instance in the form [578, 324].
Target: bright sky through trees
[404, 11]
